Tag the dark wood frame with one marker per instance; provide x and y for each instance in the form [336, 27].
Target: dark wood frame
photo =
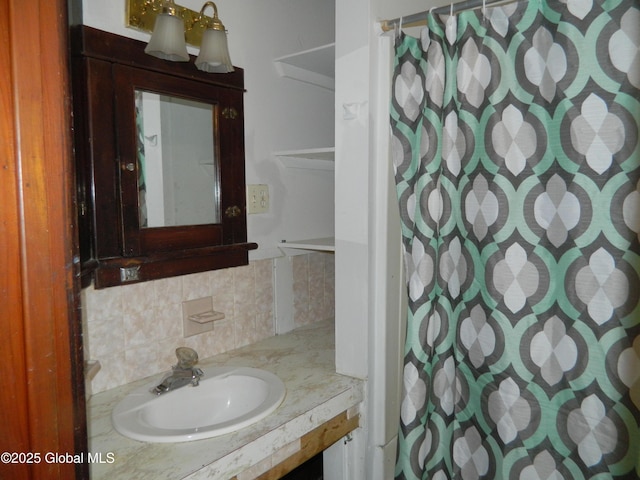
[107, 68]
[42, 405]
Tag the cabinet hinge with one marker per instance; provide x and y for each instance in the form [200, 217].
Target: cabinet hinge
[230, 113]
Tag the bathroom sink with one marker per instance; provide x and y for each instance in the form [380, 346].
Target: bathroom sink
[227, 399]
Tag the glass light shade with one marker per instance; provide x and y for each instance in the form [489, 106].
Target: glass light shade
[167, 41]
[214, 52]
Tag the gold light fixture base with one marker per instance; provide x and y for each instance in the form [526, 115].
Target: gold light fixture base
[141, 15]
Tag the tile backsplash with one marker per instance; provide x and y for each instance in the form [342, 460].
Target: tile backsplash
[313, 288]
[133, 330]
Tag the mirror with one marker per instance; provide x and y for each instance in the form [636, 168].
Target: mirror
[178, 170]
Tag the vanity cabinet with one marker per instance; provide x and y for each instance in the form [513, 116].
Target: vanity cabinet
[160, 166]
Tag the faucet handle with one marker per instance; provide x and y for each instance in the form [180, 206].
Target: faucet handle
[187, 357]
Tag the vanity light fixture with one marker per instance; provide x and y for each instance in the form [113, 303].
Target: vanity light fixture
[168, 41]
[214, 51]
[174, 26]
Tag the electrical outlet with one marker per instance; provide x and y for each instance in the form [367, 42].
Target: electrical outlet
[257, 199]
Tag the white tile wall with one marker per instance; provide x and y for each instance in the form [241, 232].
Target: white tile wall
[133, 330]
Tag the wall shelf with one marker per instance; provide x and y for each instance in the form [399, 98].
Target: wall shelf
[319, 244]
[311, 158]
[315, 66]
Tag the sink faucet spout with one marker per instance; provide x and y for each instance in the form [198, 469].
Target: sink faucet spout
[183, 373]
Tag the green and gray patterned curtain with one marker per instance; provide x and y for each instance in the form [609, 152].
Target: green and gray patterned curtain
[515, 137]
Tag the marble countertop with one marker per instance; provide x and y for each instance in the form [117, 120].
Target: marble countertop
[303, 359]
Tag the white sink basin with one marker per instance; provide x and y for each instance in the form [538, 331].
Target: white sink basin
[227, 399]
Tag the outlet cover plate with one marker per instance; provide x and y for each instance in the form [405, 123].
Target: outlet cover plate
[257, 198]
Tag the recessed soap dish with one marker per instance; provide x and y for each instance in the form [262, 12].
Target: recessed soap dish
[198, 316]
[206, 317]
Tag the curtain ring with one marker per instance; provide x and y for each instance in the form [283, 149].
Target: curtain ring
[398, 28]
[451, 10]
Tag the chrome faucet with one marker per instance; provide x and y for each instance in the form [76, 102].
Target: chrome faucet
[183, 373]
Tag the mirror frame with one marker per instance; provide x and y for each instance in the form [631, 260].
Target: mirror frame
[115, 250]
[138, 240]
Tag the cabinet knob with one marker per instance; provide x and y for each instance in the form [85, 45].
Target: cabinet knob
[128, 166]
[232, 212]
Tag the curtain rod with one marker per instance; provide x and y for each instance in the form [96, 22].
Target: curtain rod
[420, 18]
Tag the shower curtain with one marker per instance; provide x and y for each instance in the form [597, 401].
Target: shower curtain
[515, 142]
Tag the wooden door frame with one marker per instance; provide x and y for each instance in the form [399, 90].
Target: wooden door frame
[42, 408]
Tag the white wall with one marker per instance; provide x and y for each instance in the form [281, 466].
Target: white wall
[280, 114]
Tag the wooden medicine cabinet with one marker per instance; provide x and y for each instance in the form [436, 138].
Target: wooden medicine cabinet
[159, 151]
